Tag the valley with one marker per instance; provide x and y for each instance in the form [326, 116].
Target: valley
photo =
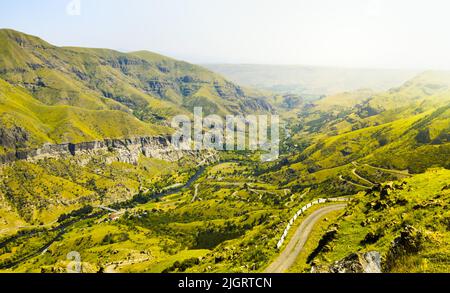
[87, 166]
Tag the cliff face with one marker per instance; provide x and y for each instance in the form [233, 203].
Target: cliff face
[121, 150]
[14, 137]
[38, 185]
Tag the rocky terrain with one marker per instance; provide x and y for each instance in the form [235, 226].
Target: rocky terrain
[368, 263]
[120, 150]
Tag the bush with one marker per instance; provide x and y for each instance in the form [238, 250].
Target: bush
[84, 211]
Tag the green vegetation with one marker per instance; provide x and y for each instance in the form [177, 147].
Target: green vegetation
[151, 215]
[312, 246]
[28, 123]
[406, 221]
[39, 193]
[223, 220]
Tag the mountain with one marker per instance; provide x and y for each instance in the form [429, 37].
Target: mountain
[85, 166]
[311, 81]
[61, 94]
[26, 122]
[354, 110]
[406, 128]
[108, 107]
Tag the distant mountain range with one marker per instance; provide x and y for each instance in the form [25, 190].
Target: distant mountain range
[311, 81]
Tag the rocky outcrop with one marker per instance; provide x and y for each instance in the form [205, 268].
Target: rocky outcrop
[369, 262]
[13, 137]
[409, 242]
[122, 150]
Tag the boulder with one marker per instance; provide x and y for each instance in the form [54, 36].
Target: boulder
[369, 262]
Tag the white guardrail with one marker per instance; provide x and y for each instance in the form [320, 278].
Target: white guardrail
[304, 209]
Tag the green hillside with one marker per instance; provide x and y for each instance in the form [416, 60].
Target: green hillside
[402, 144]
[406, 221]
[405, 128]
[27, 122]
[53, 94]
[150, 86]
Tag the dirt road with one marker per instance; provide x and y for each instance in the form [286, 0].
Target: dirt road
[288, 256]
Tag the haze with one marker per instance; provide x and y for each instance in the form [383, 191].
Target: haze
[407, 34]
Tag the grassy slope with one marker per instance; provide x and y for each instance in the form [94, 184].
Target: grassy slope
[232, 226]
[150, 85]
[240, 209]
[388, 142]
[421, 203]
[60, 123]
[407, 127]
[301, 263]
[38, 193]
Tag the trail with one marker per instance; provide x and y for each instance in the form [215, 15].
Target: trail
[353, 183]
[299, 198]
[287, 258]
[362, 178]
[195, 192]
[398, 172]
[289, 255]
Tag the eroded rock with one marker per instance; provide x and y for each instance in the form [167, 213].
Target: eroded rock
[369, 262]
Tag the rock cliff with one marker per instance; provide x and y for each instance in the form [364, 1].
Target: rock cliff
[121, 150]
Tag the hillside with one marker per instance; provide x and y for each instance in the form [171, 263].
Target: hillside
[51, 97]
[27, 122]
[86, 94]
[407, 222]
[404, 128]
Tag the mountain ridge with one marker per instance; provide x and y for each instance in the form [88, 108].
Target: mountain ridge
[86, 94]
[132, 80]
[312, 81]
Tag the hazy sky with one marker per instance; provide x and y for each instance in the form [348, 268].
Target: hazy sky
[354, 33]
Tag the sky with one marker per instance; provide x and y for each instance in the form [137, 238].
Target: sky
[406, 34]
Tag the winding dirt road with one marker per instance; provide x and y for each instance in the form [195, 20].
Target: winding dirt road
[398, 172]
[353, 183]
[287, 258]
[362, 178]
